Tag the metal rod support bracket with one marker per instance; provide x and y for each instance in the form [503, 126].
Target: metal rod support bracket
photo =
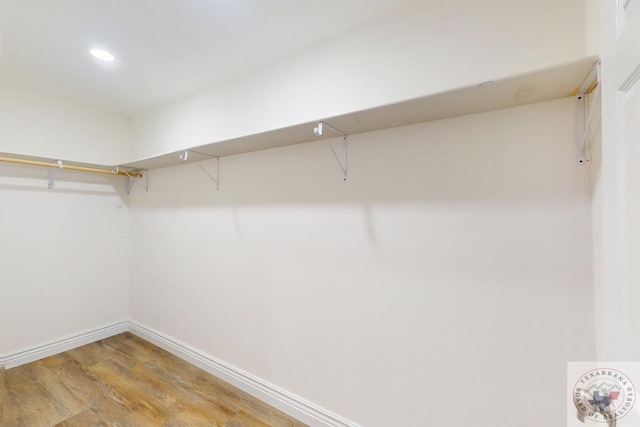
[52, 173]
[185, 156]
[584, 112]
[132, 177]
[343, 160]
[130, 182]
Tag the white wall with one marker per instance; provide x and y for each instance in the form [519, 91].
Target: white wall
[427, 48]
[36, 124]
[64, 255]
[592, 26]
[594, 139]
[447, 283]
[611, 310]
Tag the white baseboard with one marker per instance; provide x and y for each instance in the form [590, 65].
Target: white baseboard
[21, 357]
[281, 399]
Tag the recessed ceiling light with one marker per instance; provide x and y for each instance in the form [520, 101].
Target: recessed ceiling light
[102, 54]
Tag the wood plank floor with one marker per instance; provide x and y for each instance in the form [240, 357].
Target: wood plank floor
[2, 395]
[125, 381]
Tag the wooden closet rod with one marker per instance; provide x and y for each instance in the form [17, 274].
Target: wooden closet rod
[70, 167]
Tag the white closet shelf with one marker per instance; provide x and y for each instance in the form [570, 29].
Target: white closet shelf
[542, 85]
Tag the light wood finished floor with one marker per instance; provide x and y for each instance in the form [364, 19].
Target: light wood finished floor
[125, 381]
[2, 395]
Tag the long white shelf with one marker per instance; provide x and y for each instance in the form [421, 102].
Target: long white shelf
[542, 85]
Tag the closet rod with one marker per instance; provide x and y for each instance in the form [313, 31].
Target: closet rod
[70, 167]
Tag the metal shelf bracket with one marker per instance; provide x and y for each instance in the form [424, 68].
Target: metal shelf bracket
[132, 177]
[52, 173]
[584, 112]
[342, 160]
[185, 157]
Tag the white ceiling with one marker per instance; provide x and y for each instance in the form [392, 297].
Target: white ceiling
[164, 48]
